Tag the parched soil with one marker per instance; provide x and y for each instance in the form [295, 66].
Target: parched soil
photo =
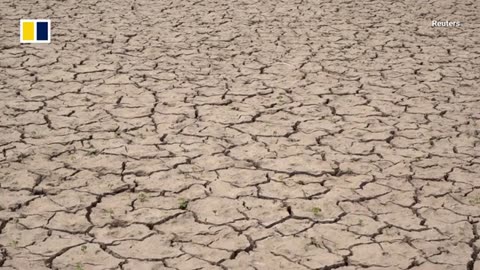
[241, 135]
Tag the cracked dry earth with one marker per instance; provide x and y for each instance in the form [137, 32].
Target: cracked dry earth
[240, 135]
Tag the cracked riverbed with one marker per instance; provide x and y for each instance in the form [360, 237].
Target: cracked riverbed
[240, 135]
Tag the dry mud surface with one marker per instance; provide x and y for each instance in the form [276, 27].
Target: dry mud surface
[240, 135]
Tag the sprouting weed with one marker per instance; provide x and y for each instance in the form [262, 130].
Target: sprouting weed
[78, 266]
[142, 197]
[83, 249]
[14, 243]
[183, 204]
[316, 211]
[109, 211]
[475, 200]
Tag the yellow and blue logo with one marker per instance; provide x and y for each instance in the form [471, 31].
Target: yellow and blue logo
[35, 31]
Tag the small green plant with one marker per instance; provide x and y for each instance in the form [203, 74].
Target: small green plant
[109, 211]
[183, 204]
[14, 243]
[83, 249]
[316, 211]
[475, 200]
[142, 197]
[78, 266]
